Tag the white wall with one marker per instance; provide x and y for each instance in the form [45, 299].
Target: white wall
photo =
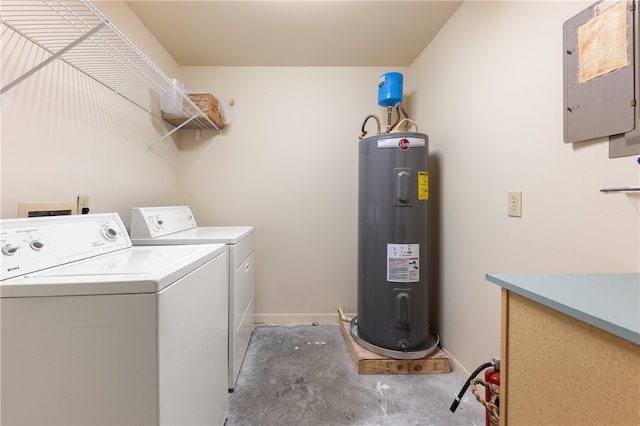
[488, 91]
[287, 165]
[62, 134]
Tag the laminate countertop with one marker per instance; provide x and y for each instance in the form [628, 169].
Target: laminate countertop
[610, 302]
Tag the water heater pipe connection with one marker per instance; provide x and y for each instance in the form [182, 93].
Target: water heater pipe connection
[343, 317]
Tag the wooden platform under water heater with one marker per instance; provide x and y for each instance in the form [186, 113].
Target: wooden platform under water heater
[368, 362]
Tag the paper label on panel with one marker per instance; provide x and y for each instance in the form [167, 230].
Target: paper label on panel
[603, 42]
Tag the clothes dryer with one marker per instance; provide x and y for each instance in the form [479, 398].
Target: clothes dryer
[96, 331]
[177, 225]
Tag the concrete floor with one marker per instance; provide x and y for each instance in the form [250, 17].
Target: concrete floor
[304, 375]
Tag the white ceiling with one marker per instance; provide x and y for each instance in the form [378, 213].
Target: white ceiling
[293, 32]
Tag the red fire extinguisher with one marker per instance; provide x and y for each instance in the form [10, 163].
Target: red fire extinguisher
[491, 383]
[491, 379]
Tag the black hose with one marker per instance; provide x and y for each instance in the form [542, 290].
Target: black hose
[477, 371]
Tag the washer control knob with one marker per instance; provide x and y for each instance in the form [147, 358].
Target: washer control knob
[159, 222]
[109, 233]
[36, 245]
[10, 249]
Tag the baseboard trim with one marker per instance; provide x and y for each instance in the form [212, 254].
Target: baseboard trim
[285, 319]
[455, 366]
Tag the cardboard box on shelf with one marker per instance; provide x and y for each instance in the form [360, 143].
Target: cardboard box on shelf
[206, 102]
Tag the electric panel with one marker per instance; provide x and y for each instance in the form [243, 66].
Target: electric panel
[601, 81]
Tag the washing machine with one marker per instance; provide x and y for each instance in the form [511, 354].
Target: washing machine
[177, 225]
[96, 331]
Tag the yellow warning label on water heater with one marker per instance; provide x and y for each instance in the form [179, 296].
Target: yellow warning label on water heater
[423, 185]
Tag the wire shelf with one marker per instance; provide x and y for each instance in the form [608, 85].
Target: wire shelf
[76, 32]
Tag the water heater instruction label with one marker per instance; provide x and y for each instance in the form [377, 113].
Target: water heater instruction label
[423, 185]
[403, 263]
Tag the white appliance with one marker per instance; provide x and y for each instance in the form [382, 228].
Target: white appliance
[96, 331]
[176, 225]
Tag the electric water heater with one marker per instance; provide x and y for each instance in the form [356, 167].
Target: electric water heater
[393, 196]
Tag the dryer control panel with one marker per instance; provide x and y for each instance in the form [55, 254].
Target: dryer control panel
[154, 222]
[33, 244]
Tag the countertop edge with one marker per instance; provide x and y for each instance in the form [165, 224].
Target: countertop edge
[595, 321]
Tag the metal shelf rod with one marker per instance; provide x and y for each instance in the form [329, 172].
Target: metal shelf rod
[621, 189]
[51, 58]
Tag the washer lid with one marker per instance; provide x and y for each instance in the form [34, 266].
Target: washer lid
[129, 271]
[200, 235]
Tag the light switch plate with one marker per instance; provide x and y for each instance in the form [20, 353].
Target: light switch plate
[514, 205]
